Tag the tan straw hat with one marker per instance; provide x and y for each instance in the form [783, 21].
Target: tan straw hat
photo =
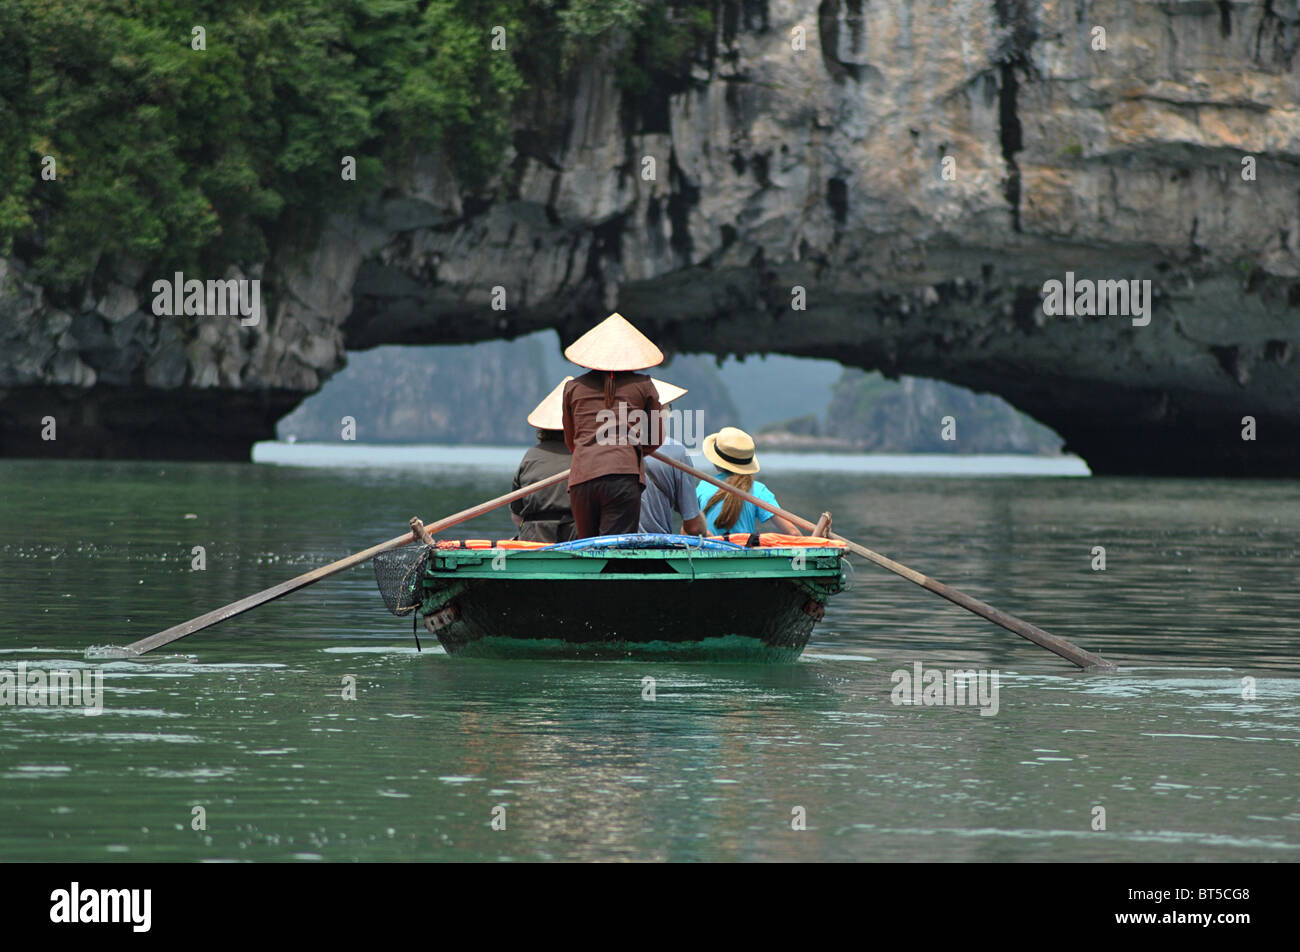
[549, 414]
[731, 449]
[614, 344]
[667, 392]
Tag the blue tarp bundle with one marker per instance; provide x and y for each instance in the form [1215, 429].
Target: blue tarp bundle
[643, 540]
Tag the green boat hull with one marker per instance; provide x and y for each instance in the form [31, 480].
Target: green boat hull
[736, 605]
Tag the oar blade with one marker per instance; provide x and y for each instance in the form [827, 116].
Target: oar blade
[176, 632]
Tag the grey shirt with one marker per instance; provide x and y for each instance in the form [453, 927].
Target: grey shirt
[666, 489]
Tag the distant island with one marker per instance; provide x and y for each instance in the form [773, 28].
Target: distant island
[871, 414]
[480, 394]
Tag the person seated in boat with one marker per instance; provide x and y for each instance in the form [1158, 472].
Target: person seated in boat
[667, 489]
[611, 421]
[545, 516]
[731, 450]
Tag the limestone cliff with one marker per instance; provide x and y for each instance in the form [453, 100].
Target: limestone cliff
[822, 168]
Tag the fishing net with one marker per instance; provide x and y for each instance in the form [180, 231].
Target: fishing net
[398, 573]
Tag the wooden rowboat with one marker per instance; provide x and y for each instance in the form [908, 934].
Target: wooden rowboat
[617, 596]
[689, 621]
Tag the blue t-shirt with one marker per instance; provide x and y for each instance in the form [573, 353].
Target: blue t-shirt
[750, 515]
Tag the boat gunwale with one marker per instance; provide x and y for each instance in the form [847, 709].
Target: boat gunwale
[820, 563]
[681, 552]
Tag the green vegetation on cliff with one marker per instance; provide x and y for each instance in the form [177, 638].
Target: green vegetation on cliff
[196, 135]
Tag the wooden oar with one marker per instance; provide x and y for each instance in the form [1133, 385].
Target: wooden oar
[1084, 659]
[284, 588]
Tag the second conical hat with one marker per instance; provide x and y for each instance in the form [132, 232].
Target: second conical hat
[667, 392]
[614, 344]
[549, 414]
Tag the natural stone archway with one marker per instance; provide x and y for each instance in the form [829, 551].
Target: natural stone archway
[822, 170]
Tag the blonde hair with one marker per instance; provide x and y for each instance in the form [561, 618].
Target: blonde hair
[731, 504]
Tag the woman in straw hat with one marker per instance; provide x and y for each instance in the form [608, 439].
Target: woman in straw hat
[545, 516]
[603, 429]
[731, 450]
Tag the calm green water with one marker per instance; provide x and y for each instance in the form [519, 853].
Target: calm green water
[1200, 590]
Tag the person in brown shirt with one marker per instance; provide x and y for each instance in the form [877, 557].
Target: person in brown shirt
[611, 420]
[544, 515]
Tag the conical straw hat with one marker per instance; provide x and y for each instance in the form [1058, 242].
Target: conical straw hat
[549, 414]
[667, 392]
[614, 344]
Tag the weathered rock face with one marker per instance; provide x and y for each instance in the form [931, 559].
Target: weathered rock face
[780, 172]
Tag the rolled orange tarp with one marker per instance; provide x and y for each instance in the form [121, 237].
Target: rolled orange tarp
[778, 540]
[489, 544]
